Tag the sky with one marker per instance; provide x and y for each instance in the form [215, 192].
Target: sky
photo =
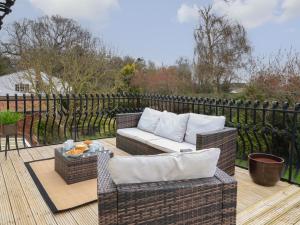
[162, 30]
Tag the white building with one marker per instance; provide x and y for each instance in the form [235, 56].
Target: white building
[18, 83]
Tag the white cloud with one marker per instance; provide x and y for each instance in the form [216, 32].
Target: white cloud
[290, 9]
[83, 9]
[187, 13]
[250, 13]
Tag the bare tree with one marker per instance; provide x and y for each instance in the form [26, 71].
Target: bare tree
[53, 32]
[221, 49]
[5, 65]
[184, 69]
[275, 77]
[61, 49]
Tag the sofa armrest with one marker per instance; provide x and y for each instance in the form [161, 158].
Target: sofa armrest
[106, 192]
[127, 120]
[164, 202]
[215, 138]
[224, 139]
[229, 197]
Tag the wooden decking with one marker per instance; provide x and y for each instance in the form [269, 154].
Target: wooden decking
[21, 202]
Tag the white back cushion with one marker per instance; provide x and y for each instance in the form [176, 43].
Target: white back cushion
[149, 120]
[172, 126]
[164, 167]
[199, 123]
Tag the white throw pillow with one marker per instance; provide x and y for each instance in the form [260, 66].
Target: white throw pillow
[164, 167]
[172, 126]
[199, 123]
[149, 120]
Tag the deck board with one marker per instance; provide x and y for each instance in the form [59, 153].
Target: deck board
[85, 215]
[280, 209]
[265, 205]
[6, 214]
[21, 202]
[250, 193]
[37, 205]
[289, 218]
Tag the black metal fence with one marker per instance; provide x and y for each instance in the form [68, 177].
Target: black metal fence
[262, 126]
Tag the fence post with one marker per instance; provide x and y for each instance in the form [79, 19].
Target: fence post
[24, 121]
[7, 102]
[47, 118]
[138, 102]
[32, 118]
[74, 118]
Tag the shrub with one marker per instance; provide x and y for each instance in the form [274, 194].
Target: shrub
[8, 117]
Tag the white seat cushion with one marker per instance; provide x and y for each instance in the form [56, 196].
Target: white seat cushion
[172, 126]
[164, 167]
[149, 120]
[167, 145]
[137, 134]
[199, 123]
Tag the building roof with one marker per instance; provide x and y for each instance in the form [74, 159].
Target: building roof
[8, 82]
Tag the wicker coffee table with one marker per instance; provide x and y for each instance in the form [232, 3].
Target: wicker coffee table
[74, 170]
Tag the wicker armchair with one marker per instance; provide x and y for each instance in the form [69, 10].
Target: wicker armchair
[200, 201]
[224, 139]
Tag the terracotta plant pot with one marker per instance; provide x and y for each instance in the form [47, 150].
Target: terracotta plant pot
[8, 130]
[265, 169]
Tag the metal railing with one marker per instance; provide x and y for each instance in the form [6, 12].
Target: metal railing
[262, 127]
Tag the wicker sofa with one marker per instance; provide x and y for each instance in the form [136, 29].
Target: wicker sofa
[224, 139]
[199, 201]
